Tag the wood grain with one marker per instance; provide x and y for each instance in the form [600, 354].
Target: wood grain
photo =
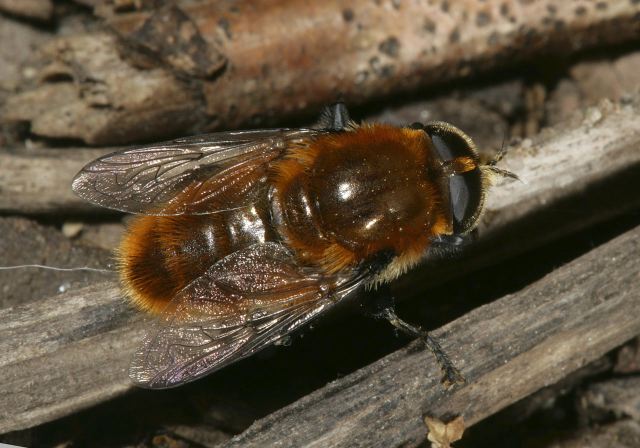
[69, 352]
[40, 181]
[64, 353]
[324, 50]
[32, 9]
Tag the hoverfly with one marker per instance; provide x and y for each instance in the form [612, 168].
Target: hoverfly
[242, 237]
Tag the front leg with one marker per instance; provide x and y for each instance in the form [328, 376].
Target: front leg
[381, 305]
[334, 117]
[449, 246]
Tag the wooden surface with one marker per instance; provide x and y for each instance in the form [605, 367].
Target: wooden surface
[64, 353]
[67, 352]
[31, 9]
[40, 182]
[507, 350]
[97, 90]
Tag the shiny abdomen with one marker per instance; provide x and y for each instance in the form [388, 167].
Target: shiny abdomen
[160, 255]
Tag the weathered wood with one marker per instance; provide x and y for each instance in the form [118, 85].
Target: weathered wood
[64, 353]
[507, 350]
[563, 169]
[324, 50]
[40, 181]
[32, 9]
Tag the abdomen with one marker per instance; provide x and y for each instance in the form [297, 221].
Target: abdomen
[160, 255]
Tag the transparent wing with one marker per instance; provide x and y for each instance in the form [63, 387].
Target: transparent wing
[185, 176]
[243, 303]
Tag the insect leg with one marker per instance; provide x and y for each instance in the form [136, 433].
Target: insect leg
[379, 304]
[451, 375]
[334, 117]
[448, 246]
[491, 165]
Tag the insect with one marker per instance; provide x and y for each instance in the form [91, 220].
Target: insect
[243, 237]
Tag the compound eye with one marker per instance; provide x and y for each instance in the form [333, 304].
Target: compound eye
[466, 197]
[449, 141]
[450, 144]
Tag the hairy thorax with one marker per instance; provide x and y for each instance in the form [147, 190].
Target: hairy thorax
[346, 197]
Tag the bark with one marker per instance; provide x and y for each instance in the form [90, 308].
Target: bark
[40, 181]
[31, 9]
[205, 65]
